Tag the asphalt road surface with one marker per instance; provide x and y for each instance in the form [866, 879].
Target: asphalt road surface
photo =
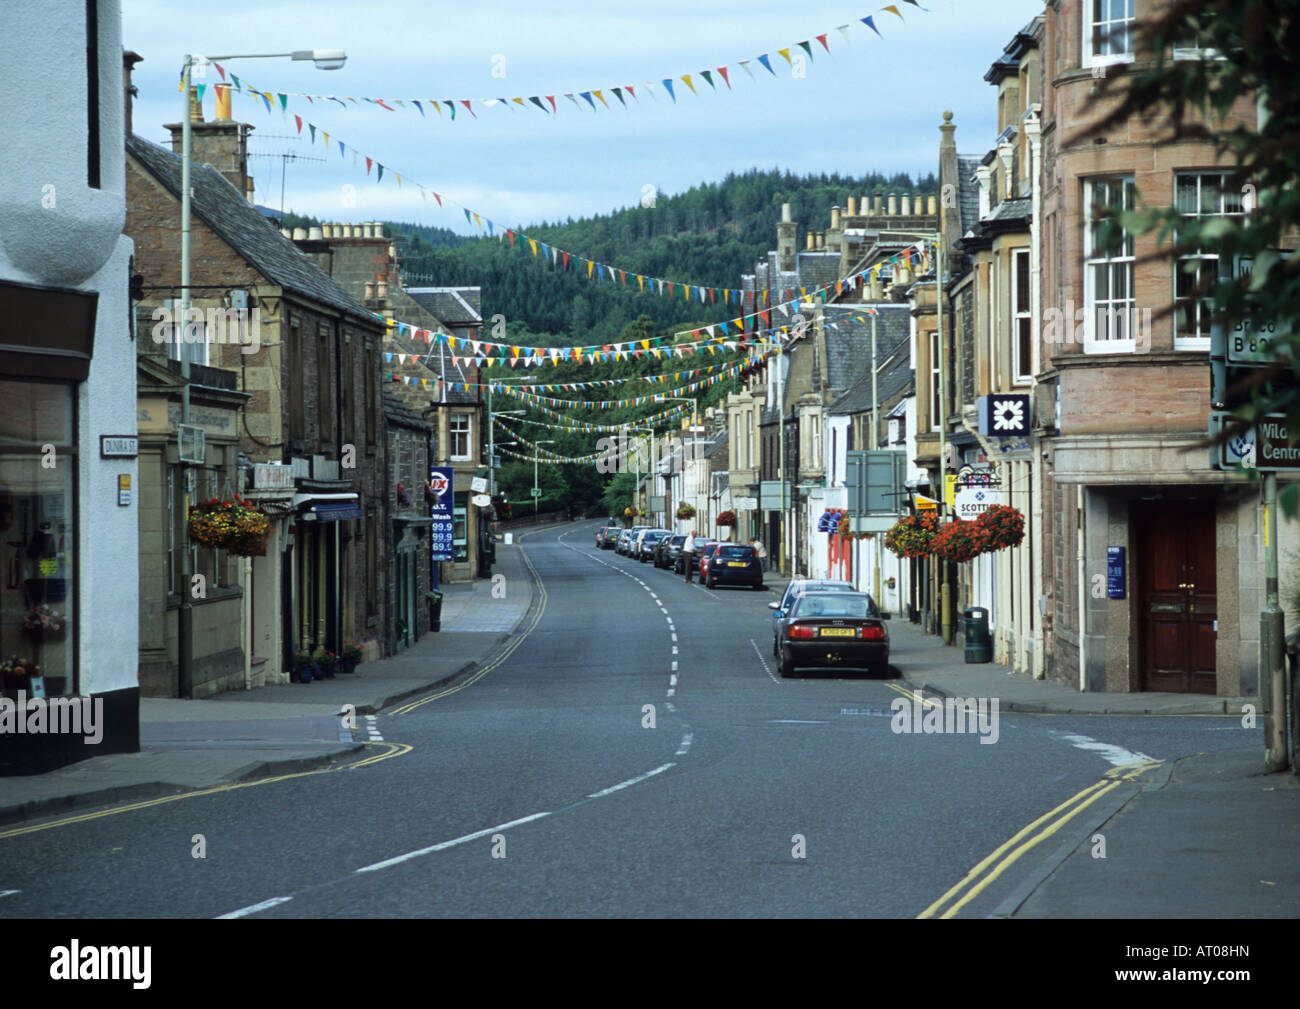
[635, 756]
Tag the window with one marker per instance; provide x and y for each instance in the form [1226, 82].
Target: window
[293, 383]
[181, 338]
[460, 438]
[1021, 350]
[934, 378]
[371, 375]
[92, 94]
[324, 411]
[1193, 43]
[1109, 35]
[1204, 194]
[1108, 275]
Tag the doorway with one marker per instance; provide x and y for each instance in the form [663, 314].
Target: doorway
[1177, 596]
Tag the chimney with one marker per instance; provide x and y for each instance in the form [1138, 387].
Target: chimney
[299, 234]
[222, 111]
[785, 240]
[327, 231]
[907, 205]
[932, 206]
[835, 216]
[821, 240]
[812, 243]
[949, 185]
[223, 144]
[314, 233]
[129, 60]
[879, 205]
[853, 206]
[893, 205]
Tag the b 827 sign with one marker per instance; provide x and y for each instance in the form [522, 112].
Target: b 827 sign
[1248, 345]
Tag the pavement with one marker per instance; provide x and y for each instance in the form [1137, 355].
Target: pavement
[188, 745]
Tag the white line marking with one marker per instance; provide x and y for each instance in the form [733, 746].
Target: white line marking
[254, 908]
[794, 721]
[630, 782]
[669, 706]
[450, 844]
[1112, 754]
[685, 745]
[8, 893]
[759, 653]
[672, 680]
[674, 665]
[671, 691]
[674, 649]
[674, 637]
[670, 621]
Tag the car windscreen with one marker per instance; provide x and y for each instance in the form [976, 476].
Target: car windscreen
[732, 553]
[834, 606]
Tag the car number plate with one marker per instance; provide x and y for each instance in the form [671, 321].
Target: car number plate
[839, 632]
[737, 564]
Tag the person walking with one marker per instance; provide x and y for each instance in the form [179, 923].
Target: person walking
[688, 555]
[760, 551]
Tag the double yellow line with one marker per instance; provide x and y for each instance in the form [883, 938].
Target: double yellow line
[1009, 852]
[501, 656]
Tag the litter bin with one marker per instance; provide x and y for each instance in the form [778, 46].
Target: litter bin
[435, 610]
[979, 644]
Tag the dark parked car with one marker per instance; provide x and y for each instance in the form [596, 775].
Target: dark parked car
[703, 554]
[842, 630]
[649, 541]
[667, 549]
[700, 543]
[606, 535]
[798, 587]
[735, 564]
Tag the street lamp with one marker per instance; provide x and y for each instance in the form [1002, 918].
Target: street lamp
[536, 491]
[694, 439]
[325, 59]
[492, 455]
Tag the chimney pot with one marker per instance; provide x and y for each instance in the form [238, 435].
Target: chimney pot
[327, 231]
[853, 206]
[222, 110]
[893, 205]
[370, 290]
[286, 233]
[812, 242]
[907, 205]
[785, 213]
[879, 204]
[299, 234]
[315, 234]
[835, 217]
[381, 289]
[821, 240]
[196, 107]
[365, 229]
[379, 229]
[932, 206]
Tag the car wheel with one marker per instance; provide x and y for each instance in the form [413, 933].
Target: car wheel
[785, 668]
[711, 583]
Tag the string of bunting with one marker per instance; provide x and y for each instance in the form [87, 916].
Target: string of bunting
[722, 74]
[545, 455]
[611, 404]
[584, 266]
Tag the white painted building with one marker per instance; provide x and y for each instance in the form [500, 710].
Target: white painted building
[68, 520]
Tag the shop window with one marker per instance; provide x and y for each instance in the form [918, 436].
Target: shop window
[38, 465]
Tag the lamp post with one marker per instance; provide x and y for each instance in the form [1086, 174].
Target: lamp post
[536, 492]
[694, 437]
[325, 59]
[492, 453]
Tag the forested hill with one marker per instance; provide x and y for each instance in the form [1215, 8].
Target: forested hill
[710, 234]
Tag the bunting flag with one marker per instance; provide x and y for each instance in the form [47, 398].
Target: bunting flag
[590, 95]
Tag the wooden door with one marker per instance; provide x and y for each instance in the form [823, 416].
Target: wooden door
[1177, 598]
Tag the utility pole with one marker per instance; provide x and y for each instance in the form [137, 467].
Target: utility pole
[875, 445]
[780, 410]
[945, 589]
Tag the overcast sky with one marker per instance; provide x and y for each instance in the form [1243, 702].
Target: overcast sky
[872, 104]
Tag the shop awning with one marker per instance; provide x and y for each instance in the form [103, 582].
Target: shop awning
[328, 507]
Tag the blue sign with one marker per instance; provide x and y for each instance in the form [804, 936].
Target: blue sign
[1114, 572]
[441, 484]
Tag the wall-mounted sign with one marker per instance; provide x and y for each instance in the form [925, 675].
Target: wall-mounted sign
[746, 504]
[972, 502]
[481, 500]
[1115, 572]
[1005, 415]
[271, 476]
[192, 444]
[124, 488]
[119, 446]
[442, 487]
[478, 485]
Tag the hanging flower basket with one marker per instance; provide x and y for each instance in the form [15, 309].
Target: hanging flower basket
[842, 525]
[685, 511]
[727, 518]
[630, 512]
[1004, 526]
[913, 536]
[235, 525]
[960, 541]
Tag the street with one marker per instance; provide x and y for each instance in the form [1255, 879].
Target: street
[536, 787]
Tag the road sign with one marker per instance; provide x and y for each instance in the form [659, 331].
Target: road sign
[536, 492]
[1273, 450]
[1254, 347]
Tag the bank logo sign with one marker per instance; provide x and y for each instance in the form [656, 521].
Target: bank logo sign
[1004, 415]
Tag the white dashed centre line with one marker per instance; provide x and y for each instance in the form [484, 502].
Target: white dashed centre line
[254, 908]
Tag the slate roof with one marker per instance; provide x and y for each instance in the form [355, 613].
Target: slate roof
[895, 376]
[455, 306]
[403, 415]
[225, 210]
[719, 445]
[817, 269]
[968, 192]
[1012, 210]
[848, 347]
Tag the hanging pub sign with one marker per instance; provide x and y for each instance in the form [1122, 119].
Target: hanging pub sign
[442, 496]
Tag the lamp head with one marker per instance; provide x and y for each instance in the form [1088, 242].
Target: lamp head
[325, 59]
